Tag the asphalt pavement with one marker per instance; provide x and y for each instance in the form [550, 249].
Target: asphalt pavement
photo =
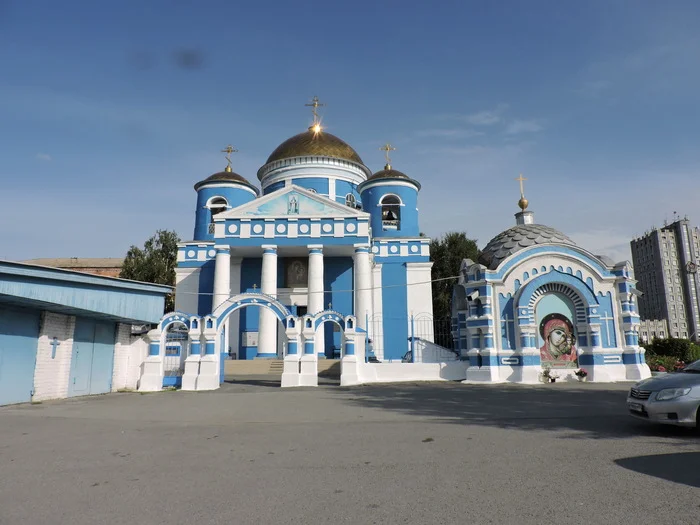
[252, 453]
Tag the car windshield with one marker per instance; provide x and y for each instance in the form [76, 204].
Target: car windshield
[693, 368]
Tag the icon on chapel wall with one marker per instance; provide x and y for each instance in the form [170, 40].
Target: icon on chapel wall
[292, 205]
[559, 348]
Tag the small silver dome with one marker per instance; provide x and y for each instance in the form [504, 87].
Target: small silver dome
[518, 238]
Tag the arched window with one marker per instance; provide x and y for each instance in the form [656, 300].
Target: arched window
[391, 212]
[350, 200]
[216, 205]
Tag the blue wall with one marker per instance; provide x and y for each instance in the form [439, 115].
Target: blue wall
[338, 281]
[273, 187]
[607, 326]
[206, 288]
[409, 214]
[318, 184]
[394, 310]
[342, 188]
[249, 316]
[505, 305]
[234, 194]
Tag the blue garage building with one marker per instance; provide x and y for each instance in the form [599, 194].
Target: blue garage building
[65, 333]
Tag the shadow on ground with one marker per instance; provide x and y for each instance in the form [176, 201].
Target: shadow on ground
[268, 381]
[587, 411]
[682, 468]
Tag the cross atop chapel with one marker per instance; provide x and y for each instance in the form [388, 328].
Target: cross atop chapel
[228, 150]
[386, 148]
[523, 202]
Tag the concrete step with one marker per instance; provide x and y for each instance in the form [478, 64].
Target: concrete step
[329, 368]
[276, 367]
[247, 367]
[326, 367]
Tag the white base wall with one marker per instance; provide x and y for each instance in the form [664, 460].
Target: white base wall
[51, 374]
[427, 352]
[402, 372]
[129, 354]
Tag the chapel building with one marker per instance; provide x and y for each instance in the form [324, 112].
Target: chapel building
[535, 301]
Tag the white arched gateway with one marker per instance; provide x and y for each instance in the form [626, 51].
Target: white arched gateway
[203, 365]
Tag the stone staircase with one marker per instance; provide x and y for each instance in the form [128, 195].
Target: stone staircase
[276, 367]
[329, 368]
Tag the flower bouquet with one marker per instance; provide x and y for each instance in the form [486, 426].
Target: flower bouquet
[582, 374]
[548, 376]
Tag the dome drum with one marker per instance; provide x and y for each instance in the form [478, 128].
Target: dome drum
[217, 193]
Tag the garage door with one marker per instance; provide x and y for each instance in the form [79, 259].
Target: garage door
[93, 357]
[19, 335]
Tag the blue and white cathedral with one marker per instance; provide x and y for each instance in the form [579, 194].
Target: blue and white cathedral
[321, 233]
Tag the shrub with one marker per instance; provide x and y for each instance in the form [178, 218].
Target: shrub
[693, 353]
[664, 363]
[681, 349]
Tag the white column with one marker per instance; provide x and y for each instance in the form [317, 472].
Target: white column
[233, 324]
[267, 331]
[316, 295]
[222, 276]
[363, 285]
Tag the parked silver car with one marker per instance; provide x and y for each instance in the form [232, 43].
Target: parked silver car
[673, 399]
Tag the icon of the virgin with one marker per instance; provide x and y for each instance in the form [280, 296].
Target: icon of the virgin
[559, 339]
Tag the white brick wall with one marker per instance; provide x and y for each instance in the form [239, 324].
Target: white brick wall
[129, 353]
[51, 375]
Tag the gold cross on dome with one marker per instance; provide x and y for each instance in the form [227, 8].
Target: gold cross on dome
[386, 148]
[228, 150]
[314, 105]
[521, 179]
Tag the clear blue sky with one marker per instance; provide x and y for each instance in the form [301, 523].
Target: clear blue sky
[110, 112]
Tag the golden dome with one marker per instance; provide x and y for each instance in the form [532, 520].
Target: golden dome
[523, 202]
[320, 144]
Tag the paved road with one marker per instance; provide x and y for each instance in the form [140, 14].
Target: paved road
[252, 453]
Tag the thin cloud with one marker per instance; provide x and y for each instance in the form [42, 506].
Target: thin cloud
[523, 126]
[666, 64]
[487, 117]
[454, 133]
[594, 89]
[602, 241]
[44, 156]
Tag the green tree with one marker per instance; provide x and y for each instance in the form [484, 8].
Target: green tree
[155, 263]
[447, 254]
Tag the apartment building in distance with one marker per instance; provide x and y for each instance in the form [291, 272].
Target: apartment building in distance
[666, 268]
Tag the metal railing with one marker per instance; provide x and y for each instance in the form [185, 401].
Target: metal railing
[434, 334]
[177, 346]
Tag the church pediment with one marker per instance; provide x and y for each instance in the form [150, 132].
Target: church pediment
[292, 201]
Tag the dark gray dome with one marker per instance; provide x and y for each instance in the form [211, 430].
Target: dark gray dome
[518, 238]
